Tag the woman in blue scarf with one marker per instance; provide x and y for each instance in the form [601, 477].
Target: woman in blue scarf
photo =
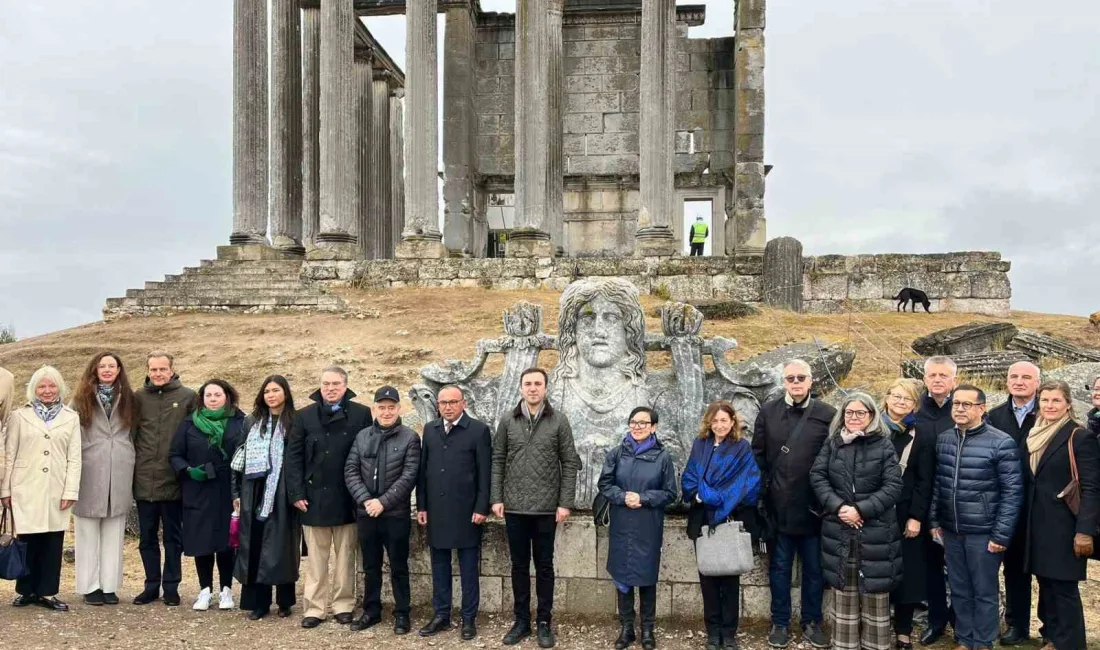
[639, 481]
[721, 483]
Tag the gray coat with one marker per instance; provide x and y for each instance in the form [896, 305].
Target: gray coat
[107, 466]
[534, 466]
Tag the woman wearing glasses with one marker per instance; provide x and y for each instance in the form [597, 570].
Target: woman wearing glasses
[721, 482]
[858, 482]
[917, 459]
[639, 480]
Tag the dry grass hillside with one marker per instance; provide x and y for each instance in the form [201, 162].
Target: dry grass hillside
[395, 333]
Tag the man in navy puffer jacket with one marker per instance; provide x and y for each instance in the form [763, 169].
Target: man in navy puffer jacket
[976, 498]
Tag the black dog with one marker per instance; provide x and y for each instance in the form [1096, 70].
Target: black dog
[915, 296]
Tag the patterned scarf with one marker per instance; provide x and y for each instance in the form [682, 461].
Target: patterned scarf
[106, 393]
[46, 412]
[263, 458]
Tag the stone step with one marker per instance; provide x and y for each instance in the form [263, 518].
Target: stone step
[218, 271]
[318, 301]
[272, 264]
[218, 285]
[232, 292]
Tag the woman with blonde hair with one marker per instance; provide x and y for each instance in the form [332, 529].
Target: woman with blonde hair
[105, 404]
[917, 459]
[721, 483]
[41, 482]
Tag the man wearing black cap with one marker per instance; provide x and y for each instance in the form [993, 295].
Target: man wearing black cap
[381, 473]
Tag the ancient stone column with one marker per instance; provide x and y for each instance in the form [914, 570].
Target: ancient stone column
[380, 211]
[397, 164]
[531, 235]
[420, 237]
[286, 126]
[249, 122]
[365, 137]
[555, 170]
[783, 274]
[656, 134]
[750, 226]
[459, 132]
[338, 237]
[311, 125]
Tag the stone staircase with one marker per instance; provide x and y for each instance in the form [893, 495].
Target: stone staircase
[240, 280]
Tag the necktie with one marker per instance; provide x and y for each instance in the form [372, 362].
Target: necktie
[447, 428]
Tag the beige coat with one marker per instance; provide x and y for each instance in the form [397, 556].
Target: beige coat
[42, 469]
[107, 467]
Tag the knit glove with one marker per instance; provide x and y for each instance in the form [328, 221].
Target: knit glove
[197, 473]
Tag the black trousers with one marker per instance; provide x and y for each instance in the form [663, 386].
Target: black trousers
[721, 605]
[1061, 612]
[168, 515]
[468, 567]
[257, 596]
[44, 562]
[648, 604]
[527, 534]
[1017, 588]
[903, 618]
[389, 534]
[204, 567]
[939, 613]
[697, 249]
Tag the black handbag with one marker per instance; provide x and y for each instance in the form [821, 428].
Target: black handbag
[13, 551]
[601, 510]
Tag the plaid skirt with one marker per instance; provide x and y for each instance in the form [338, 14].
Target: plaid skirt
[862, 620]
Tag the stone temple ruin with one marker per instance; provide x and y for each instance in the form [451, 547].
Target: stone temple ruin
[574, 133]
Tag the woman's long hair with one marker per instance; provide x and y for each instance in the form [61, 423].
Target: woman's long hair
[722, 405]
[86, 397]
[260, 410]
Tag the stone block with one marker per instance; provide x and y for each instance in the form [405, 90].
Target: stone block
[758, 577]
[486, 51]
[585, 122]
[624, 81]
[612, 32]
[691, 120]
[683, 62]
[702, 61]
[573, 33]
[750, 148]
[497, 164]
[507, 51]
[583, 83]
[751, 14]
[588, 48]
[828, 287]
[990, 285]
[486, 85]
[494, 104]
[588, 596]
[619, 123]
[610, 164]
[573, 144]
[495, 145]
[496, 68]
[573, 65]
[687, 601]
[985, 306]
[575, 549]
[678, 555]
[698, 100]
[612, 64]
[611, 143]
[631, 103]
[592, 103]
[958, 286]
[494, 550]
[694, 80]
[864, 287]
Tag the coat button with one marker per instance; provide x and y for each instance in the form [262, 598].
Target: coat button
[46, 453]
[45, 469]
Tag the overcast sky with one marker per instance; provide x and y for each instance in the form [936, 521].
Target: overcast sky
[894, 126]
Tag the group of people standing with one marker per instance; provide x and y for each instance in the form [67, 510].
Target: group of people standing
[877, 498]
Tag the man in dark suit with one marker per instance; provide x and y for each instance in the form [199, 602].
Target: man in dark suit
[1016, 417]
[452, 500]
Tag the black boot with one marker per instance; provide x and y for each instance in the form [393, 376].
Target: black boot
[649, 642]
[626, 636]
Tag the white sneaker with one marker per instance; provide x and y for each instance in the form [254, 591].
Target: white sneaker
[202, 603]
[226, 599]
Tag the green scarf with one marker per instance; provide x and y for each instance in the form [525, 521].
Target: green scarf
[212, 423]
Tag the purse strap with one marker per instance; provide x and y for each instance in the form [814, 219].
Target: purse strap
[792, 440]
[1073, 458]
[9, 513]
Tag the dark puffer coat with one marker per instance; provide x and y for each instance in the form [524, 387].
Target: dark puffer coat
[978, 488]
[635, 534]
[383, 464]
[863, 474]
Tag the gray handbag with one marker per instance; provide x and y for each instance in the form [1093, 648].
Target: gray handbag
[724, 550]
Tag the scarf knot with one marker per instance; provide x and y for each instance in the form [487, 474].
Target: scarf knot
[46, 412]
[212, 424]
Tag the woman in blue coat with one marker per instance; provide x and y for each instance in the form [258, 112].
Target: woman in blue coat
[639, 481]
[201, 450]
[721, 483]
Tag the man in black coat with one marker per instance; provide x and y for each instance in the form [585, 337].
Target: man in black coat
[452, 500]
[381, 473]
[316, 449]
[789, 500]
[933, 418]
[1016, 417]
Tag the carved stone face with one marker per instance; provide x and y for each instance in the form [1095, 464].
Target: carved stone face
[601, 334]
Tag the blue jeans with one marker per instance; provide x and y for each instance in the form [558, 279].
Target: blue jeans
[975, 594]
[780, 568]
[468, 563]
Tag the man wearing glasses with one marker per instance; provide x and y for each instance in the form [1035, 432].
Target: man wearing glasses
[932, 419]
[788, 434]
[452, 500]
[1016, 417]
[976, 497]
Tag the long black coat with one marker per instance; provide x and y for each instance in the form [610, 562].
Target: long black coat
[863, 474]
[455, 472]
[316, 449]
[1050, 523]
[1002, 417]
[789, 496]
[916, 496]
[635, 535]
[932, 418]
[280, 550]
[207, 505]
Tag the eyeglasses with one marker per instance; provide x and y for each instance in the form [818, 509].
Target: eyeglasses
[795, 379]
[856, 414]
[904, 399]
[638, 424]
[965, 406]
[450, 402]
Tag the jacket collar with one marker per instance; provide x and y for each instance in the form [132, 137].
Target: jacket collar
[172, 384]
[928, 404]
[316, 397]
[980, 429]
[462, 422]
[547, 410]
[63, 416]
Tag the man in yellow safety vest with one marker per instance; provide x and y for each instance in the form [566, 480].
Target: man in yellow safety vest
[699, 232]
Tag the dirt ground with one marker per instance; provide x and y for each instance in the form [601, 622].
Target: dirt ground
[127, 626]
